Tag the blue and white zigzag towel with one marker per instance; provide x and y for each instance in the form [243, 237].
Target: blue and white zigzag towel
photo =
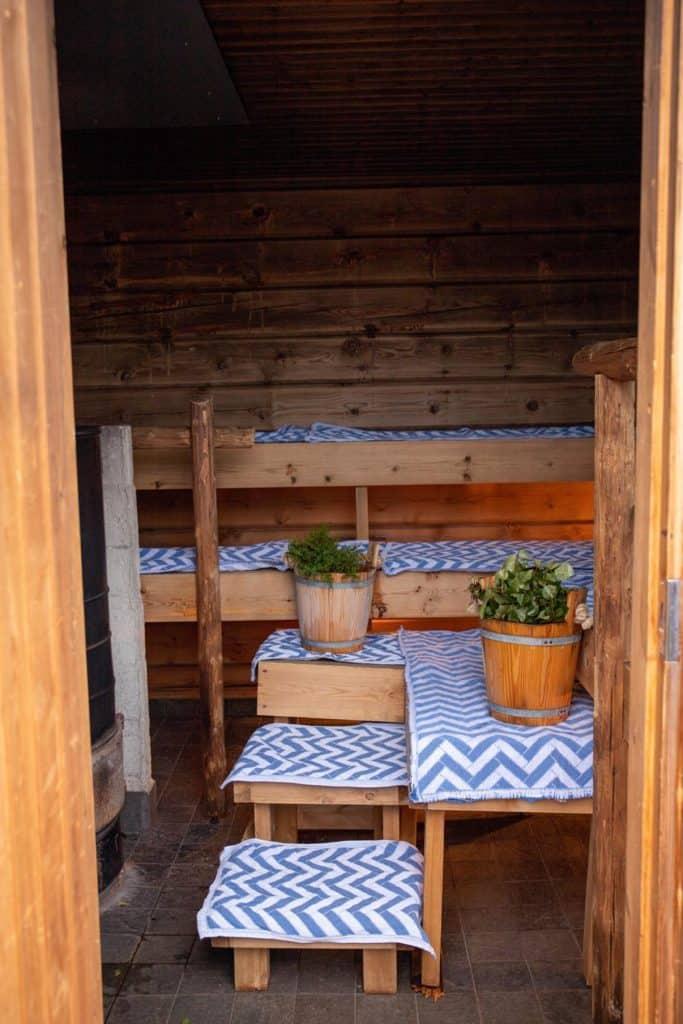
[366, 755]
[327, 433]
[457, 752]
[285, 645]
[350, 892]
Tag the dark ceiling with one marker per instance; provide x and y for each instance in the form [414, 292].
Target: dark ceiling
[403, 91]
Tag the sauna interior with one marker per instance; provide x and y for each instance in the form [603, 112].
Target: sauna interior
[409, 216]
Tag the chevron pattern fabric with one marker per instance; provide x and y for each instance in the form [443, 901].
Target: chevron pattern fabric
[349, 892]
[285, 645]
[367, 755]
[245, 558]
[480, 555]
[457, 752]
[286, 434]
[326, 433]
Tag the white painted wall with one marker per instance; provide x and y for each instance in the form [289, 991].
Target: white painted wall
[125, 607]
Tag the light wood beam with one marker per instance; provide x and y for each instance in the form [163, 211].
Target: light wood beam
[49, 940]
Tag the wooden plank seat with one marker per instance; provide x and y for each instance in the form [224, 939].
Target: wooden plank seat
[360, 894]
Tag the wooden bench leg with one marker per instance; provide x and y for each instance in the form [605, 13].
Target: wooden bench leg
[285, 829]
[409, 825]
[380, 971]
[263, 821]
[391, 823]
[252, 970]
[433, 894]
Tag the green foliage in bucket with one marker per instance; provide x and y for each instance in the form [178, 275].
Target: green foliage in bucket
[524, 591]
[319, 555]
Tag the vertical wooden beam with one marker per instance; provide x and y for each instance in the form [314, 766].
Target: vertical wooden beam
[209, 631]
[654, 857]
[435, 837]
[362, 514]
[614, 497]
[49, 942]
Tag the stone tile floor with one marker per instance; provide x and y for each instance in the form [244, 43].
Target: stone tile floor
[513, 922]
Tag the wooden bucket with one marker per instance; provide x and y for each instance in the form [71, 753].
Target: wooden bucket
[530, 670]
[333, 616]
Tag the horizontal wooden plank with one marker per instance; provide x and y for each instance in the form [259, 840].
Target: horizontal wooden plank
[290, 793]
[360, 693]
[392, 309]
[487, 511]
[340, 213]
[212, 266]
[269, 594]
[475, 403]
[349, 359]
[390, 462]
[173, 437]
[615, 359]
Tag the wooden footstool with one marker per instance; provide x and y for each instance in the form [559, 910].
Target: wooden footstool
[362, 894]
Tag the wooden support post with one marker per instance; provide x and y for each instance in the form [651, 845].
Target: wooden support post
[614, 498]
[433, 894]
[409, 825]
[362, 514]
[49, 940]
[285, 827]
[209, 630]
[391, 822]
[252, 970]
[263, 821]
[380, 971]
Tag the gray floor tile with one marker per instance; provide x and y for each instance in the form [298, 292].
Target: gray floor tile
[152, 979]
[566, 1007]
[495, 946]
[173, 921]
[324, 1009]
[112, 978]
[557, 974]
[140, 1010]
[509, 1008]
[322, 970]
[453, 1008]
[262, 1008]
[215, 1009]
[501, 977]
[118, 947]
[548, 944]
[164, 949]
[207, 979]
[399, 1009]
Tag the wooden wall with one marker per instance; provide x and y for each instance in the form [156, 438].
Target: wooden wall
[421, 306]
[417, 306]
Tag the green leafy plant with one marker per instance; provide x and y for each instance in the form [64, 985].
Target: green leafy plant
[319, 555]
[524, 591]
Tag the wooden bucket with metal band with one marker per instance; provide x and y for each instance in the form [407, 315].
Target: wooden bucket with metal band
[333, 614]
[530, 670]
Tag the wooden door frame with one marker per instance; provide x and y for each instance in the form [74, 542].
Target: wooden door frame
[654, 865]
[49, 942]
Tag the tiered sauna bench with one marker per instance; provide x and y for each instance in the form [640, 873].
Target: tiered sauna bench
[425, 589]
[459, 758]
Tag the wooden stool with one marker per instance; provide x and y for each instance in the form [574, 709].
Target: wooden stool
[281, 895]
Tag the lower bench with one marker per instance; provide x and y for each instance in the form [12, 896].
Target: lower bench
[357, 894]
